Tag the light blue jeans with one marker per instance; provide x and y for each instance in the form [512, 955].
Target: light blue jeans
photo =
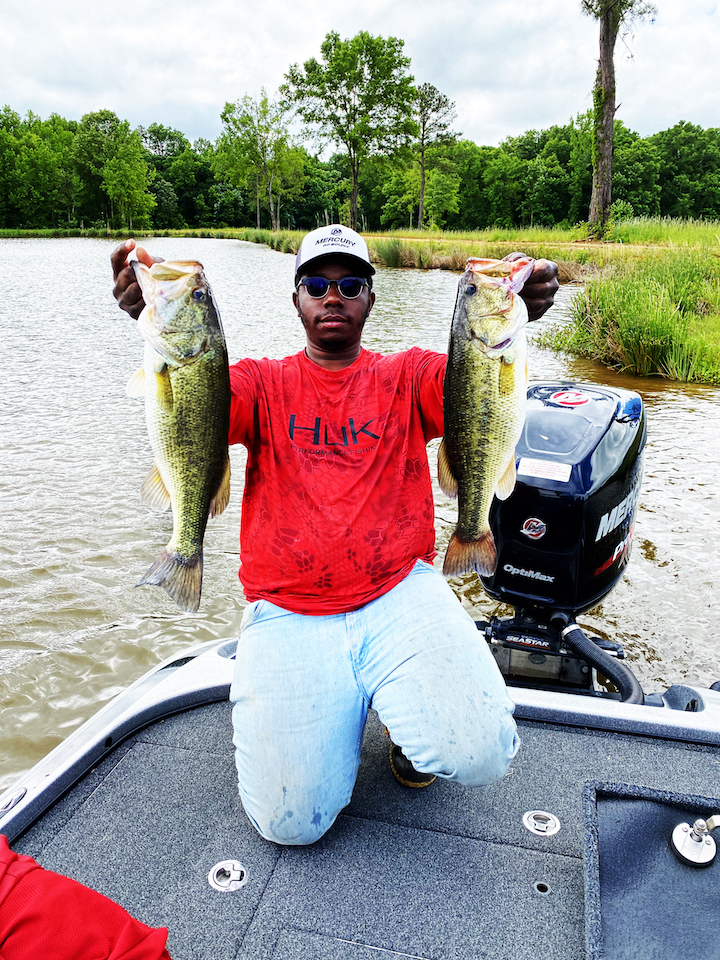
[303, 684]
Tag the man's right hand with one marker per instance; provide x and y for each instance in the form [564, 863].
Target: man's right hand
[127, 290]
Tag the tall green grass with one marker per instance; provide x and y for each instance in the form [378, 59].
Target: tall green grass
[388, 251]
[667, 232]
[659, 315]
[10, 233]
[643, 231]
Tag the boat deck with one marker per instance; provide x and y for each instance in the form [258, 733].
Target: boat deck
[444, 872]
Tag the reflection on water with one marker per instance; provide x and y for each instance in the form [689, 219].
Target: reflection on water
[73, 453]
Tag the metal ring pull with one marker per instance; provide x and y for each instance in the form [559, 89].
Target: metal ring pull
[227, 876]
[540, 823]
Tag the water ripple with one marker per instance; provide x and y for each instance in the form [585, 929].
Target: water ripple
[74, 631]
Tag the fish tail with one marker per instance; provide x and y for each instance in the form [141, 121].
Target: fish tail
[180, 576]
[466, 556]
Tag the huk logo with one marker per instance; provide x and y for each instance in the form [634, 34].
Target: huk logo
[533, 528]
[338, 434]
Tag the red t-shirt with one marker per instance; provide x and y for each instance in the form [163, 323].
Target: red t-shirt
[338, 502]
[45, 916]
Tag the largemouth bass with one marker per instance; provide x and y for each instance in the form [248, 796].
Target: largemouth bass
[484, 402]
[186, 386]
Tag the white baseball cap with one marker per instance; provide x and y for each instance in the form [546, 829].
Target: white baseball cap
[333, 241]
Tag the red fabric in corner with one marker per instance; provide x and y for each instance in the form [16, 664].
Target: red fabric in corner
[46, 916]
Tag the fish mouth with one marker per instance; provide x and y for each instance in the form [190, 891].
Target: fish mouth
[511, 274]
[498, 346]
[168, 280]
[503, 345]
[495, 348]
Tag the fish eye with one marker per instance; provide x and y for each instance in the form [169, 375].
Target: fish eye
[198, 294]
[471, 289]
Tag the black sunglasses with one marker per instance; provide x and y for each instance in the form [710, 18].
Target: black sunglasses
[349, 287]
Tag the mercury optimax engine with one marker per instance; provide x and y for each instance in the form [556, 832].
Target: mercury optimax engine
[563, 537]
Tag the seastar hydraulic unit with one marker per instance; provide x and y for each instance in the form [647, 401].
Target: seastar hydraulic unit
[563, 537]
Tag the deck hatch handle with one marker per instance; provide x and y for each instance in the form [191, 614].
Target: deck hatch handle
[540, 823]
[227, 876]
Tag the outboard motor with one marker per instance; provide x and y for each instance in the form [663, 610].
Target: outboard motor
[563, 537]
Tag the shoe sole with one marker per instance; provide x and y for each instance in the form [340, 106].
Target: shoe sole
[408, 783]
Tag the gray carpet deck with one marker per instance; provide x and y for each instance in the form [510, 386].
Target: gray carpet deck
[445, 872]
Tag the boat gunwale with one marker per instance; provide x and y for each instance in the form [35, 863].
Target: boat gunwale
[202, 675]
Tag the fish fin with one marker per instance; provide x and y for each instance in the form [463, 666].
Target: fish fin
[448, 483]
[180, 576]
[136, 384]
[222, 497]
[466, 556]
[163, 389]
[506, 483]
[154, 492]
[159, 361]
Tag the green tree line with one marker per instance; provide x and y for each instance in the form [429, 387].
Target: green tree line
[397, 163]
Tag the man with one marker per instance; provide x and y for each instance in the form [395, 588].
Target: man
[345, 610]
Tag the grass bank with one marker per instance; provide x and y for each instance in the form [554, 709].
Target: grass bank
[655, 315]
[650, 303]
[425, 250]
[651, 298]
[449, 251]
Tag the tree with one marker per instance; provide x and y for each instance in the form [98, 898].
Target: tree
[192, 178]
[112, 165]
[546, 191]
[471, 163]
[435, 113]
[402, 193]
[93, 146]
[612, 15]
[322, 184]
[359, 96]
[290, 180]
[228, 205]
[163, 141]
[256, 140]
[167, 213]
[636, 172]
[580, 166]
[39, 183]
[689, 177]
[126, 180]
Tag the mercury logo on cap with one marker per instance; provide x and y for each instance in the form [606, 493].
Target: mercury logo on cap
[329, 241]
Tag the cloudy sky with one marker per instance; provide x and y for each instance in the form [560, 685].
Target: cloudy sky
[509, 65]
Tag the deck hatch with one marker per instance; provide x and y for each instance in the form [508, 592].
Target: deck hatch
[540, 823]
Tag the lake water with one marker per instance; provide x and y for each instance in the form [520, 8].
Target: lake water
[75, 537]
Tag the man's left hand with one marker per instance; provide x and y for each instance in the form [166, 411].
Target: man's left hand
[540, 288]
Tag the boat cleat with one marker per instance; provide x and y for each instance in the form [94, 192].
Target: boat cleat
[693, 845]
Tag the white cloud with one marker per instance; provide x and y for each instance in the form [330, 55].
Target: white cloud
[510, 66]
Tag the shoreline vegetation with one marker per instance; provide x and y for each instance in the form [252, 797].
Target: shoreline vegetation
[650, 297]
